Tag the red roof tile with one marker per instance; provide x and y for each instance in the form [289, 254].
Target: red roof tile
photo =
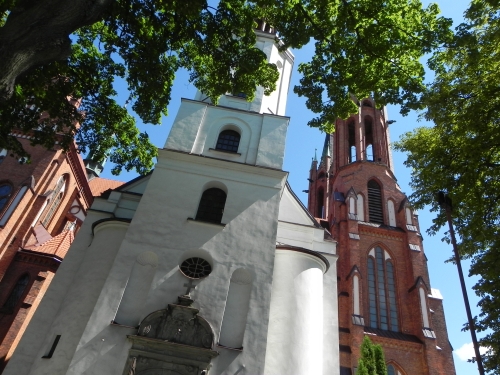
[59, 245]
[99, 185]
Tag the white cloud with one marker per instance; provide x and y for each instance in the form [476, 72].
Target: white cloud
[466, 351]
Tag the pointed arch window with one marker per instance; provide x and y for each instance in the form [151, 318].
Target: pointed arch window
[229, 140]
[382, 291]
[369, 139]
[55, 201]
[16, 294]
[393, 370]
[211, 207]
[3, 154]
[5, 193]
[320, 203]
[375, 202]
[351, 138]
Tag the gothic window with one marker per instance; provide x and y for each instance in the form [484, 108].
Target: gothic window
[375, 203]
[391, 213]
[320, 203]
[211, 207]
[369, 139]
[5, 192]
[360, 206]
[16, 293]
[393, 370]
[352, 209]
[7, 214]
[3, 154]
[55, 201]
[352, 141]
[382, 291]
[228, 140]
[409, 220]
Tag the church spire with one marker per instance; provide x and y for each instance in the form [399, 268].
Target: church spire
[93, 164]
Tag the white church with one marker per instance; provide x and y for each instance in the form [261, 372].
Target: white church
[208, 265]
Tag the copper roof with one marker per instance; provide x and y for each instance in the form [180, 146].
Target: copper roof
[99, 185]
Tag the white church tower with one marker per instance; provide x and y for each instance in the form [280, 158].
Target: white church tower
[208, 265]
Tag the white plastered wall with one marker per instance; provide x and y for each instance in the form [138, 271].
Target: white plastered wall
[297, 228]
[198, 125]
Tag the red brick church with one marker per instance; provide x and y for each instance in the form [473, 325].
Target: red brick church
[43, 203]
[384, 288]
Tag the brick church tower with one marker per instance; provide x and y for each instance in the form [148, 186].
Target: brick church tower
[384, 289]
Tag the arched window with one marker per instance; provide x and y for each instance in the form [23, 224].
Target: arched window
[409, 220]
[320, 203]
[55, 201]
[352, 141]
[16, 294]
[228, 140]
[5, 192]
[369, 139]
[393, 370]
[382, 291]
[360, 206]
[3, 154]
[391, 213]
[375, 202]
[367, 103]
[211, 207]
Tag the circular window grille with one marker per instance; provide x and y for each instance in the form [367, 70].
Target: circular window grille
[195, 268]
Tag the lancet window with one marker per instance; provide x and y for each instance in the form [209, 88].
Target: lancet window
[55, 201]
[320, 204]
[5, 192]
[369, 139]
[352, 141]
[16, 293]
[375, 203]
[382, 291]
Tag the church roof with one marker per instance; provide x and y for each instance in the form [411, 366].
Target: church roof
[58, 245]
[99, 185]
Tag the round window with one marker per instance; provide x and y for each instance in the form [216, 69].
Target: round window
[196, 268]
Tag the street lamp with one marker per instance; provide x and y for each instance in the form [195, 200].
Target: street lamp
[444, 202]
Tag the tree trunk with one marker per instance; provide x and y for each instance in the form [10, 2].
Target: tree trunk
[37, 32]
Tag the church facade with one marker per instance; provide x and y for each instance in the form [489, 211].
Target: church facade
[210, 264]
[384, 290]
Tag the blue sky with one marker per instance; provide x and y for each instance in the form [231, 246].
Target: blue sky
[301, 143]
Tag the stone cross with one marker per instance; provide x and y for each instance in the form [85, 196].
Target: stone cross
[189, 286]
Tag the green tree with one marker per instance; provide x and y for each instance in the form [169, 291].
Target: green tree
[53, 50]
[372, 360]
[460, 154]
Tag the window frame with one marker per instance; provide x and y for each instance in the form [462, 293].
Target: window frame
[7, 196]
[380, 302]
[23, 287]
[219, 144]
[207, 214]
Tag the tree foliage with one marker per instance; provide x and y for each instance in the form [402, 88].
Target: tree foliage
[372, 360]
[77, 49]
[460, 154]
